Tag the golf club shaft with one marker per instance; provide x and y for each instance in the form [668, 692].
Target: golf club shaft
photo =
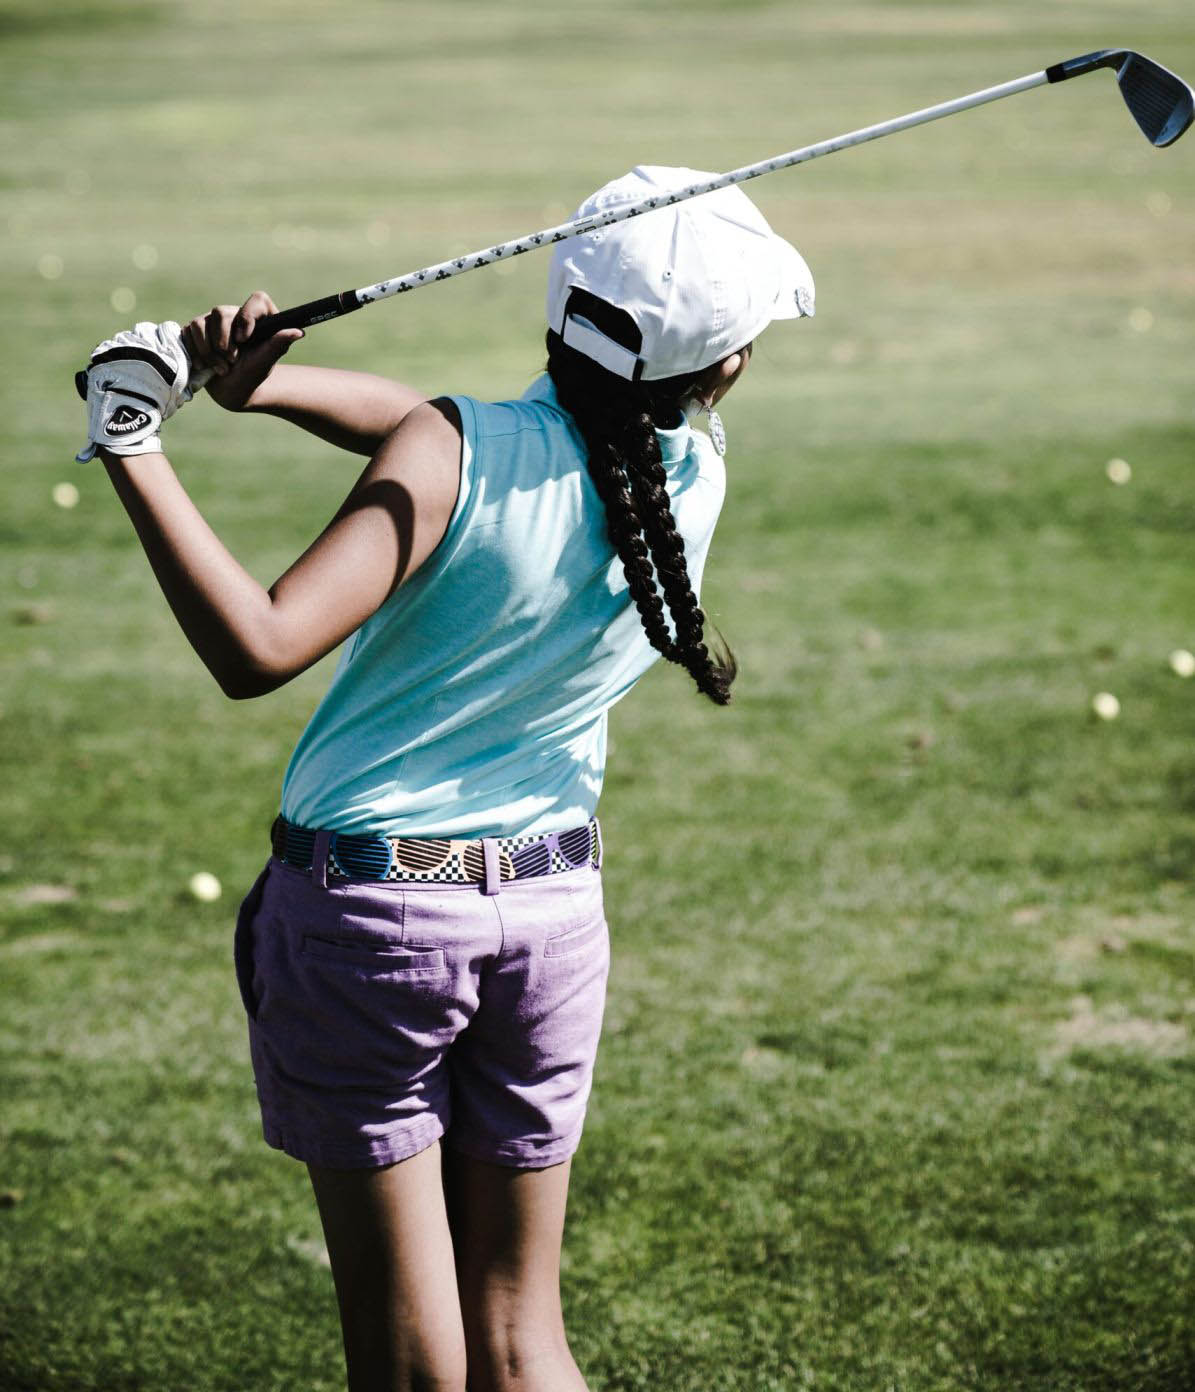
[333, 306]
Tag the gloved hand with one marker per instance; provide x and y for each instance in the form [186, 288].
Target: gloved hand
[132, 384]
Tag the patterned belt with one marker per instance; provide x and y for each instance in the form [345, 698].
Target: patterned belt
[452, 861]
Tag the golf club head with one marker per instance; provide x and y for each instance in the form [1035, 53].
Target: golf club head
[1160, 102]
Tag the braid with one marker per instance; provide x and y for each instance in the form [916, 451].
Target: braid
[617, 421]
[668, 555]
[626, 532]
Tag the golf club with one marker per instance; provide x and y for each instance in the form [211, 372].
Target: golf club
[1161, 103]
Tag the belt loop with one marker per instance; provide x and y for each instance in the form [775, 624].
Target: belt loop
[598, 848]
[493, 876]
[319, 859]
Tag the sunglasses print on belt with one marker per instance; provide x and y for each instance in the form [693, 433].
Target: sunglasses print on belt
[439, 859]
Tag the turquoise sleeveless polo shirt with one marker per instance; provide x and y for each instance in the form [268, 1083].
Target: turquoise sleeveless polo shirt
[474, 701]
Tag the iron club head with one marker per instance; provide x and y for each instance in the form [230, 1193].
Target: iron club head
[1160, 102]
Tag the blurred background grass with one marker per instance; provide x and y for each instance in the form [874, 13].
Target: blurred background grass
[896, 1086]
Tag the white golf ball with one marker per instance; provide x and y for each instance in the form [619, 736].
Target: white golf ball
[1182, 663]
[65, 495]
[123, 299]
[1105, 705]
[1118, 470]
[204, 886]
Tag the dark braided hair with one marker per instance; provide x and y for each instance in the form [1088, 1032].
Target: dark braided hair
[617, 419]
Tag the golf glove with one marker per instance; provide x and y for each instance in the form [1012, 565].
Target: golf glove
[132, 384]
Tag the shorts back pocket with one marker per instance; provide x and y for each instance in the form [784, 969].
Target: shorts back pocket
[372, 954]
[574, 939]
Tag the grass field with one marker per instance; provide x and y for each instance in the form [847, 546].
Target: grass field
[897, 1089]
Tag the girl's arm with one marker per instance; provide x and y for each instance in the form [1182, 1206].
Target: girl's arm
[352, 410]
[253, 640]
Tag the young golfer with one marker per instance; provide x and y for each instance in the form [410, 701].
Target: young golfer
[423, 960]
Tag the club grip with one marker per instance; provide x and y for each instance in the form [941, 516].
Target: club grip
[304, 315]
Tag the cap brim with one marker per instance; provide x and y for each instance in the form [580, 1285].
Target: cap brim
[794, 288]
[795, 292]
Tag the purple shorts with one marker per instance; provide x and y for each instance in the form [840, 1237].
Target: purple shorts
[383, 1016]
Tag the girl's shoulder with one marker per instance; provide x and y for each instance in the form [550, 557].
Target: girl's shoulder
[533, 424]
[516, 413]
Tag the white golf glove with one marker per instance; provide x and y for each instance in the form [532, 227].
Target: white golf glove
[132, 384]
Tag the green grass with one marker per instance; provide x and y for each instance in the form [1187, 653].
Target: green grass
[896, 1085]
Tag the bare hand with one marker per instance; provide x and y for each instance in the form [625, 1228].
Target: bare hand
[216, 342]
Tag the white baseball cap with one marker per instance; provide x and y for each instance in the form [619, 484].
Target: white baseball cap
[700, 279]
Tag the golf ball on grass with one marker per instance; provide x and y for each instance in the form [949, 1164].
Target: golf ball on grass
[1118, 471]
[1105, 705]
[204, 886]
[1182, 663]
[65, 495]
